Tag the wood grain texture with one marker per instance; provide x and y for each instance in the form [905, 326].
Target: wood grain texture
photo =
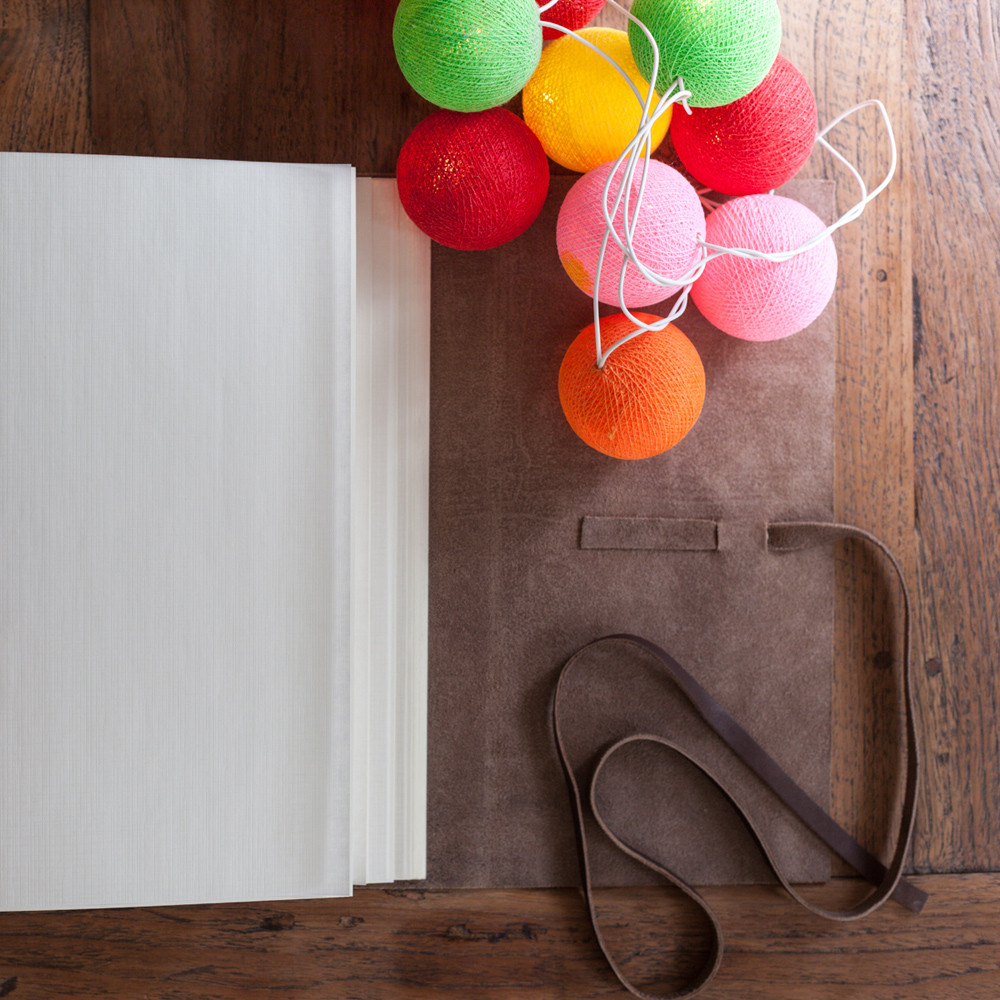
[507, 945]
[45, 76]
[954, 59]
[298, 80]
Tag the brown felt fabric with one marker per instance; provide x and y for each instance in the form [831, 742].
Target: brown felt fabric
[521, 577]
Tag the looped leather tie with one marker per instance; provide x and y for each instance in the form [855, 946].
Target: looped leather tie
[886, 879]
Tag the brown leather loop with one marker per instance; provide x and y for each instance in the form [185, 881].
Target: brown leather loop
[887, 880]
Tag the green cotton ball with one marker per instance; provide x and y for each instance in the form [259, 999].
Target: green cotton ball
[720, 48]
[467, 55]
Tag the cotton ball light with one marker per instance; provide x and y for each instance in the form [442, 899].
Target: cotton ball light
[644, 400]
[756, 143]
[572, 14]
[666, 237]
[472, 181]
[762, 299]
[467, 55]
[721, 48]
[579, 106]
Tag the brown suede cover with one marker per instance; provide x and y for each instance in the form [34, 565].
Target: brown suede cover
[538, 544]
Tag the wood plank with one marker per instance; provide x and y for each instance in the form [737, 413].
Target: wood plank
[45, 76]
[295, 80]
[954, 53]
[509, 944]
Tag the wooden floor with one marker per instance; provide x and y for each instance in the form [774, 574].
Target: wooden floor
[521, 945]
[918, 462]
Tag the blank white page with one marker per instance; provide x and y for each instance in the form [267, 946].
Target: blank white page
[174, 530]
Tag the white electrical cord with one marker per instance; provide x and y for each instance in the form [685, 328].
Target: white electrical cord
[639, 150]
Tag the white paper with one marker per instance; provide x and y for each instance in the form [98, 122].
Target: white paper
[390, 482]
[174, 530]
[412, 328]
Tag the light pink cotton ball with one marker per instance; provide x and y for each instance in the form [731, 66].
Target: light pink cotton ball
[670, 223]
[760, 299]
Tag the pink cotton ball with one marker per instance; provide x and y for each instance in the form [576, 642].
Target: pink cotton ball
[762, 299]
[670, 223]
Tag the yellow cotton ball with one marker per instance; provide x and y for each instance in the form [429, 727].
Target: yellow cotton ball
[579, 106]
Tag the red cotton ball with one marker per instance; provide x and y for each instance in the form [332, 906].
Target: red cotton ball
[472, 181]
[572, 14]
[754, 144]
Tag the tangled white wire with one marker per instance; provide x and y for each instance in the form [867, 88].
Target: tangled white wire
[639, 151]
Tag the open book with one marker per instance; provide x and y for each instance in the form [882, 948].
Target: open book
[213, 531]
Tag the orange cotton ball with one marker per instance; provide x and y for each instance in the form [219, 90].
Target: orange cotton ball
[644, 400]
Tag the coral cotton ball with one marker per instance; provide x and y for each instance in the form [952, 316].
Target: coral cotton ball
[579, 106]
[467, 55]
[472, 181]
[644, 400]
[721, 48]
[761, 299]
[572, 14]
[669, 226]
[754, 144]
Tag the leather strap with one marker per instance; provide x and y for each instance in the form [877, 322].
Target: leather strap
[886, 879]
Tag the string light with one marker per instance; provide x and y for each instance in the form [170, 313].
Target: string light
[747, 33]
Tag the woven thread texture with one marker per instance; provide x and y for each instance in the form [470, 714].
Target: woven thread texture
[472, 181]
[756, 143]
[578, 105]
[666, 235]
[572, 14]
[759, 299]
[467, 55]
[644, 400]
[721, 48]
